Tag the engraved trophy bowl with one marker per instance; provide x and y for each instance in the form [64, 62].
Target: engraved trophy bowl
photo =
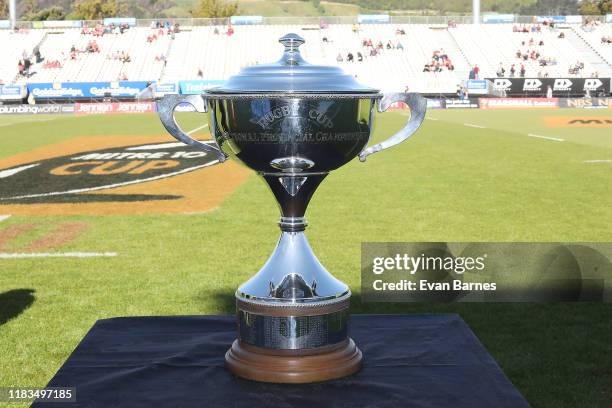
[292, 122]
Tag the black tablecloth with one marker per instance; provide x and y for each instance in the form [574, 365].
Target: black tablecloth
[409, 361]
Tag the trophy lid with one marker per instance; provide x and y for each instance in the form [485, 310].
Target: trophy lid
[292, 74]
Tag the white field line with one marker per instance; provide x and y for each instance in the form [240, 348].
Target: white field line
[6, 255]
[474, 126]
[598, 161]
[4, 217]
[546, 137]
[198, 128]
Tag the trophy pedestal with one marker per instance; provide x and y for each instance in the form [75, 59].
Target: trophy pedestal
[293, 366]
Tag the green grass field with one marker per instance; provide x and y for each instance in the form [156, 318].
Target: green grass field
[451, 182]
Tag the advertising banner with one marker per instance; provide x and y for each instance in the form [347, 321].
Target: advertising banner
[197, 86]
[5, 24]
[35, 109]
[559, 86]
[435, 104]
[498, 18]
[471, 103]
[518, 103]
[372, 18]
[62, 24]
[478, 86]
[113, 107]
[76, 90]
[131, 21]
[12, 92]
[242, 20]
[556, 19]
[165, 88]
[585, 103]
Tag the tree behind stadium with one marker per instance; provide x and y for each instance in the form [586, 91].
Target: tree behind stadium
[98, 9]
[214, 9]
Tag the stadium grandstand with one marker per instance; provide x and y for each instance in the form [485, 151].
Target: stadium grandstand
[428, 55]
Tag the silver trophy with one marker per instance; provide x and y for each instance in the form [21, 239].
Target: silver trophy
[292, 123]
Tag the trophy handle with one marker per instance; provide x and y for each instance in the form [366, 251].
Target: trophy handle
[418, 107]
[165, 109]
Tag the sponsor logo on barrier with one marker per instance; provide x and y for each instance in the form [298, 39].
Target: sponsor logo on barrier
[559, 86]
[197, 86]
[35, 109]
[532, 85]
[74, 90]
[498, 18]
[12, 92]
[166, 88]
[583, 121]
[113, 107]
[131, 21]
[502, 84]
[372, 18]
[435, 104]
[458, 103]
[518, 103]
[238, 20]
[585, 102]
[562, 84]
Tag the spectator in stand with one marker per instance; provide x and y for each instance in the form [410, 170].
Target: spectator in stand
[522, 71]
[216, 31]
[476, 71]
[561, 35]
[230, 31]
[339, 58]
[350, 57]
[399, 46]
[359, 56]
[389, 45]
[162, 58]
[501, 71]
[541, 43]
[122, 77]
[519, 54]
[471, 74]
[549, 92]
[400, 31]
[21, 68]
[512, 71]
[200, 73]
[460, 93]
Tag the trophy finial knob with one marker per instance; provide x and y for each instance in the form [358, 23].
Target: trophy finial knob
[291, 42]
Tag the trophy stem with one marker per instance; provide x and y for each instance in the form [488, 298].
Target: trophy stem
[293, 192]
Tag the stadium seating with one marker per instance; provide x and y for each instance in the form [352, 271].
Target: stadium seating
[209, 53]
[12, 46]
[593, 35]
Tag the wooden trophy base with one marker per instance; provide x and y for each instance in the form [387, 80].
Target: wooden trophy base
[293, 366]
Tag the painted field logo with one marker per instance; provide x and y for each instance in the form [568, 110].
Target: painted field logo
[584, 121]
[59, 179]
